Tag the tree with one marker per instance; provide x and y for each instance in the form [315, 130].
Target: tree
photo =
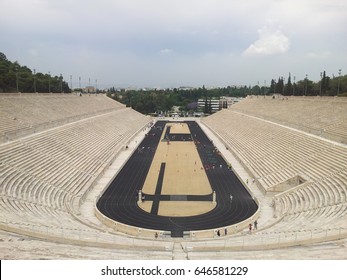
[289, 86]
[3, 57]
[325, 83]
[273, 86]
[14, 77]
[210, 106]
[279, 86]
[192, 106]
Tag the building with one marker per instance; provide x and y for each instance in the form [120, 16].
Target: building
[227, 101]
[217, 104]
[214, 104]
[89, 89]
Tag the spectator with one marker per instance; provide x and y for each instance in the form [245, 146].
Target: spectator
[255, 225]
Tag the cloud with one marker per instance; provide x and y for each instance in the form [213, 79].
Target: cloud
[166, 51]
[164, 42]
[269, 43]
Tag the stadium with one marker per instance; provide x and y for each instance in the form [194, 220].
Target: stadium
[84, 177]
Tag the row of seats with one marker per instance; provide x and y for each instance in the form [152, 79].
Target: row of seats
[68, 156]
[43, 175]
[21, 115]
[328, 192]
[324, 116]
[274, 154]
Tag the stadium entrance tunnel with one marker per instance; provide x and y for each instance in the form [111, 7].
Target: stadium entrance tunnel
[178, 185]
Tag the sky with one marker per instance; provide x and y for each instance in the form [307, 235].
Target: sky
[172, 43]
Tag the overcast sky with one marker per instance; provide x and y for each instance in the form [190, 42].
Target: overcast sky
[166, 43]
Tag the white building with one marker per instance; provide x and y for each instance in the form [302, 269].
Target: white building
[214, 103]
[218, 104]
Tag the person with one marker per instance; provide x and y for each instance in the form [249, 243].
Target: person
[231, 198]
[218, 232]
[255, 225]
[250, 228]
[156, 235]
[225, 231]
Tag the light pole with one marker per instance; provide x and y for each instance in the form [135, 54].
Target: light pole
[96, 86]
[49, 81]
[294, 86]
[306, 85]
[320, 90]
[71, 83]
[61, 83]
[283, 80]
[34, 80]
[338, 83]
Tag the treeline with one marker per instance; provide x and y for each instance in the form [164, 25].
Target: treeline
[162, 100]
[154, 101]
[17, 78]
[326, 86]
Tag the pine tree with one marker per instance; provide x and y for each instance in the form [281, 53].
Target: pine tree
[289, 86]
[272, 86]
[279, 85]
[325, 83]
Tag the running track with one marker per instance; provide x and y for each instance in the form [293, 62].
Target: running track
[119, 201]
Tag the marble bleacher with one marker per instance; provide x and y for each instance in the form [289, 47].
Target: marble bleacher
[323, 116]
[24, 114]
[273, 153]
[43, 176]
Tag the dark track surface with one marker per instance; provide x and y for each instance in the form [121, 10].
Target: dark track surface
[119, 201]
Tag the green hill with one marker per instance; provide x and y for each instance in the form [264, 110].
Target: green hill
[17, 78]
